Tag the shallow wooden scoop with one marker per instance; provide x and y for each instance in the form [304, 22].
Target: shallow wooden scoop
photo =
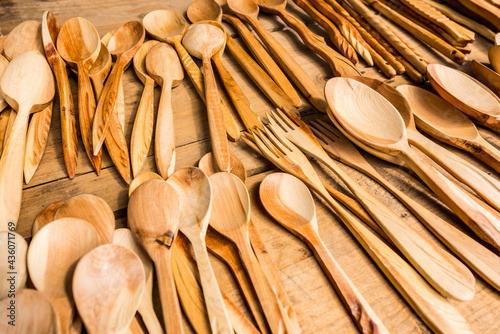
[108, 284]
[25, 36]
[52, 257]
[27, 85]
[13, 272]
[202, 10]
[467, 94]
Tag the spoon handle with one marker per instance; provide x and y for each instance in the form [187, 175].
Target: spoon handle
[150, 319]
[489, 154]
[38, 133]
[65, 311]
[164, 137]
[116, 145]
[142, 132]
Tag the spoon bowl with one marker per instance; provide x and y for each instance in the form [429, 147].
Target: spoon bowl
[164, 24]
[128, 37]
[45, 216]
[143, 177]
[244, 7]
[79, 42]
[203, 40]
[12, 273]
[140, 60]
[25, 36]
[208, 166]
[204, 10]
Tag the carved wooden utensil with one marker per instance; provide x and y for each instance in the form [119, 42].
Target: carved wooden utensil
[45, 216]
[13, 272]
[25, 36]
[207, 165]
[486, 75]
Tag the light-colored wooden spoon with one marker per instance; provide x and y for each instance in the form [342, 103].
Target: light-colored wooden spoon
[467, 94]
[444, 122]
[377, 123]
[37, 315]
[140, 179]
[153, 217]
[92, 209]
[52, 256]
[290, 203]
[27, 85]
[207, 165]
[203, 40]
[25, 36]
[3, 64]
[124, 44]
[485, 75]
[13, 273]
[7, 118]
[195, 194]
[494, 54]
[165, 68]
[108, 284]
[142, 133]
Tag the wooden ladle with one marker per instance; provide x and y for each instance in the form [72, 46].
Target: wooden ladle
[27, 85]
[52, 257]
[376, 123]
[13, 273]
[467, 94]
[202, 40]
[108, 284]
[195, 194]
[443, 121]
[79, 44]
[289, 202]
[153, 217]
[165, 68]
[124, 44]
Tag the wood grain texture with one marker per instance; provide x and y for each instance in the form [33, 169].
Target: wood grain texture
[36, 139]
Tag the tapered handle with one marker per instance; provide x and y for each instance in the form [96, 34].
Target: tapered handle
[489, 154]
[142, 132]
[116, 144]
[164, 137]
[38, 133]
[150, 319]
[65, 311]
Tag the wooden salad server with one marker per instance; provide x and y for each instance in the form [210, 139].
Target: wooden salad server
[153, 217]
[195, 194]
[467, 94]
[50, 31]
[169, 26]
[386, 132]
[27, 85]
[203, 40]
[486, 76]
[13, 263]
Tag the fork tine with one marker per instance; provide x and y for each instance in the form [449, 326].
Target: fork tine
[280, 141]
[330, 129]
[273, 121]
[265, 145]
[249, 139]
[282, 121]
[289, 119]
[320, 135]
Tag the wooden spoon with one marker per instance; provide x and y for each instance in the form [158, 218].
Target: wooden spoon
[13, 273]
[169, 26]
[444, 122]
[3, 64]
[119, 273]
[153, 216]
[203, 40]
[52, 256]
[37, 315]
[290, 203]
[100, 70]
[25, 36]
[27, 85]
[486, 76]
[230, 217]
[92, 209]
[144, 118]
[494, 54]
[45, 216]
[50, 31]
[165, 68]
[207, 165]
[467, 94]
[378, 124]
[124, 44]
[195, 194]
[143, 177]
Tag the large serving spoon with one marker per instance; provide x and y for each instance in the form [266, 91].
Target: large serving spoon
[50, 31]
[230, 217]
[203, 40]
[108, 284]
[124, 44]
[13, 273]
[92, 209]
[165, 68]
[52, 256]
[169, 26]
[377, 123]
[248, 11]
[37, 315]
[485, 75]
[25, 36]
[153, 217]
[443, 121]
[142, 132]
[195, 194]
[208, 166]
[467, 94]
[289, 201]
[27, 85]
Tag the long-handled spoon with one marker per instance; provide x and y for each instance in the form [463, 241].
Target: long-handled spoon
[289, 201]
[52, 256]
[377, 123]
[25, 36]
[165, 68]
[443, 121]
[169, 26]
[50, 31]
[27, 85]
[108, 284]
[142, 133]
[124, 44]
[203, 40]
[485, 75]
[13, 273]
[3, 64]
[143, 177]
[195, 194]
[153, 216]
[100, 69]
[467, 94]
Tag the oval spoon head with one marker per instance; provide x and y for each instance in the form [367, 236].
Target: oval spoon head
[124, 237]
[107, 286]
[208, 166]
[79, 42]
[204, 10]
[244, 7]
[127, 38]
[164, 24]
[45, 216]
[13, 245]
[102, 65]
[203, 40]
[272, 5]
[50, 31]
[92, 209]
[26, 36]
[164, 66]
[140, 179]
[140, 60]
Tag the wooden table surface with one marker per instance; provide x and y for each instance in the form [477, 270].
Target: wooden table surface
[318, 307]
